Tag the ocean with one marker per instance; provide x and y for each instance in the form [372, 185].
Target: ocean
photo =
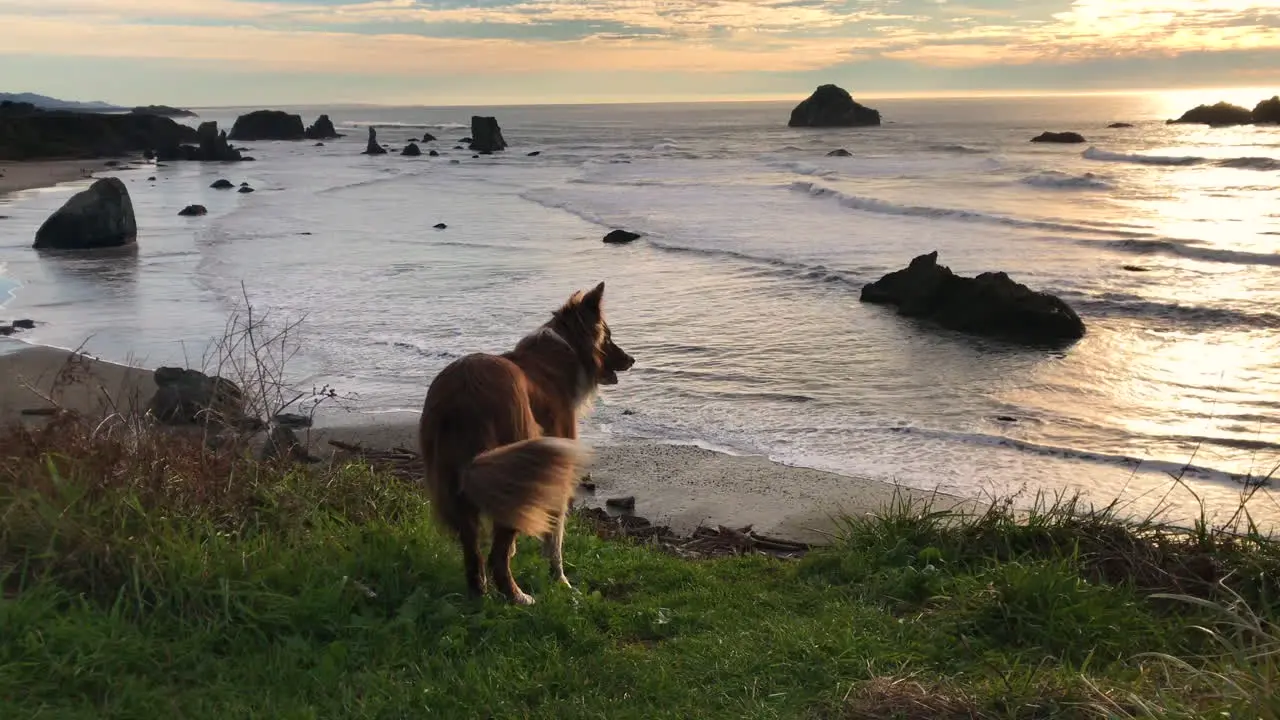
[740, 303]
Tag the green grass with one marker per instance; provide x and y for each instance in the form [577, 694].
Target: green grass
[146, 577]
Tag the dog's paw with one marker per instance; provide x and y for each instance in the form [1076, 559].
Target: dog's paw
[563, 582]
[524, 599]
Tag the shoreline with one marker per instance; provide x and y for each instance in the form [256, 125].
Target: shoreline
[681, 486]
[16, 176]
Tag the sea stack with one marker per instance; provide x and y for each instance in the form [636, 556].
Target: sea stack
[486, 136]
[268, 125]
[323, 129]
[832, 106]
[99, 217]
[373, 148]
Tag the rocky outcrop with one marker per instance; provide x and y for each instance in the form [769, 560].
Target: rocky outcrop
[245, 190]
[212, 147]
[486, 136]
[989, 304]
[222, 184]
[323, 129]
[1058, 137]
[1267, 111]
[428, 137]
[433, 153]
[621, 237]
[373, 148]
[411, 150]
[28, 133]
[98, 217]
[1221, 114]
[1118, 125]
[839, 152]
[832, 106]
[162, 111]
[193, 211]
[189, 397]
[268, 125]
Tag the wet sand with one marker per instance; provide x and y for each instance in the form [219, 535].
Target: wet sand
[675, 485]
[15, 176]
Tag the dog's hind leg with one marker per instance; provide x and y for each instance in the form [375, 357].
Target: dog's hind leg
[472, 560]
[553, 549]
[504, 548]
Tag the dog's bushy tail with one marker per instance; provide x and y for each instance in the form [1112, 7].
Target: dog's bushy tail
[524, 484]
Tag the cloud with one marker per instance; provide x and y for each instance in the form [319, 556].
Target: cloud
[426, 37]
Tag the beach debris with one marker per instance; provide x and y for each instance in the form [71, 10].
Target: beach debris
[620, 237]
[98, 217]
[832, 106]
[373, 148]
[1058, 137]
[193, 211]
[622, 503]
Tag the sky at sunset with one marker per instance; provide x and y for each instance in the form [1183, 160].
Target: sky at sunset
[226, 52]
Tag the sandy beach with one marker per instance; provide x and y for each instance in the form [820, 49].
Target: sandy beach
[677, 485]
[16, 176]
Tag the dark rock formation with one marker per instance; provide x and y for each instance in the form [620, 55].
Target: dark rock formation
[1267, 111]
[1220, 114]
[24, 324]
[990, 304]
[411, 150]
[28, 133]
[99, 217]
[1118, 125]
[162, 111]
[268, 125]
[245, 189]
[433, 153]
[373, 148]
[1134, 268]
[622, 503]
[441, 226]
[323, 129]
[428, 137]
[841, 152]
[832, 106]
[222, 184]
[486, 135]
[193, 211]
[212, 147]
[1058, 137]
[620, 237]
[318, 145]
[283, 445]
[535, 153]
[465, 141]
[189, 397]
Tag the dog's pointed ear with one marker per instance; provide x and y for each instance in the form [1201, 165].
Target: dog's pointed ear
[594, 298]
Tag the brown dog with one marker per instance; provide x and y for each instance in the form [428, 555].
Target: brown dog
[498, 436]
